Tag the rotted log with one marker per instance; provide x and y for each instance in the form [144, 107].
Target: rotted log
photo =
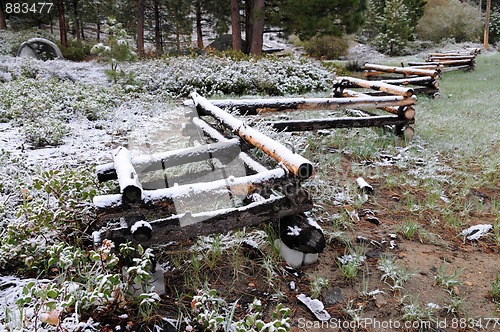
[295, 163]
[226, 151]
[351, 82]
[130, 186]
[163, 201]
[187, 225]
[344, 122]
[407, 71]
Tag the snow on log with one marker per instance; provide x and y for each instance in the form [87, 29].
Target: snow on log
[344, 81]
[295, 163]
[260, 106]
[227, 150]
[166, 197]
[403, 70]
[344, 122]
[215, 135]
[130, 186]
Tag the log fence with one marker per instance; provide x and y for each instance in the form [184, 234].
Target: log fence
[253, 195]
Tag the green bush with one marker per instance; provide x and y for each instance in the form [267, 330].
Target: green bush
[76, 51]
[326, 47]
[445, 19]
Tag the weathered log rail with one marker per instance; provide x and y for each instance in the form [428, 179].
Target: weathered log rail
[252, 195]
[450, 61]
[421, 80]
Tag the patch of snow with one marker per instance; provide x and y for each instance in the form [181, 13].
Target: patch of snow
[140, 224]
[476, 232]
[315, 306]
[294, 231]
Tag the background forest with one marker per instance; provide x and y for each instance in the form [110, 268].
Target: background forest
[394, 27]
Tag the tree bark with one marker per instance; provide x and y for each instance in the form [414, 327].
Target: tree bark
[77, 20]
[158, 43]
[487, 24]
[199, 30]
[62, 24]
[248, 25]
[257, 19]
[140, 27]
[3, 22]
[235, 25]
[98, 31]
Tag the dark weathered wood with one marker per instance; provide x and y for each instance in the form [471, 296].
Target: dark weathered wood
[346, 122]
[130, 186]
[225, 151]
[350, 82]
[295, 163]
[172, 229]
[165, 198]
[211, 132]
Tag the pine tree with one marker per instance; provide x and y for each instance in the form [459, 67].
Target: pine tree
[396, 28]
[310, 18]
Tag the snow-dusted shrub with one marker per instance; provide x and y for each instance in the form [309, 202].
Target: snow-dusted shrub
[450, 19]
[210, 75]
[42, 108]
[212, 313]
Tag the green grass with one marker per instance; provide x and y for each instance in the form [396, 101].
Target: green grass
[464, 120]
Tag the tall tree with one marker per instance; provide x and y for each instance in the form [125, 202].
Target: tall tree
[140, 27]
[62, 23]
[236, 26]
[76, 18]
[157, 19]
[179, 23]
[199, 27]
[257, 18]
[3, 22]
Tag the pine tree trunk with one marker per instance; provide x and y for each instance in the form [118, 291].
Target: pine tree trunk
[3, 23]
[199, 31]
[77, 20]
[248, 24]
[158, 44]
[257, 19]
[98, 31]
[140, 28]
[235, 25]
[62, 24]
